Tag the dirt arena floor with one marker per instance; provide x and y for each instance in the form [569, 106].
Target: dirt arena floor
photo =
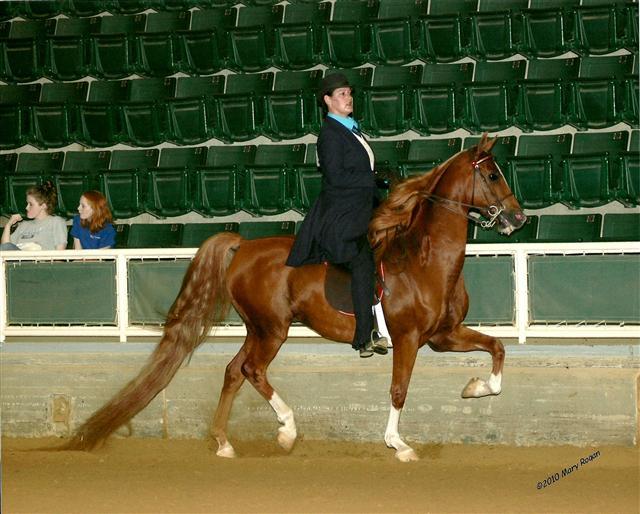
[184, 476]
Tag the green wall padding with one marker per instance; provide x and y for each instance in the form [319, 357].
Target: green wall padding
[61, 293]
[153, 287]
[490, 285]
[591, 288]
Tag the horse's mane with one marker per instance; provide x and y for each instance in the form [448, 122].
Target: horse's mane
[395, 216]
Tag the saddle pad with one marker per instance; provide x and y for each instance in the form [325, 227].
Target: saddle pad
[337, 288]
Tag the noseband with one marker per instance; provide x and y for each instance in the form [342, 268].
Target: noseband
[492, 212]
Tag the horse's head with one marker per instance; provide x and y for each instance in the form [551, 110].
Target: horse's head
[491, 195]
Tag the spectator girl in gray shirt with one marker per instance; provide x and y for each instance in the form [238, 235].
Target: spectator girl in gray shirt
[43, 230]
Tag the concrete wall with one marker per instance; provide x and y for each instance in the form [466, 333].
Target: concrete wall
[570, 394]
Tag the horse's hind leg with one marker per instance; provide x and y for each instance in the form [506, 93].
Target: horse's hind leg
[254, 369]
[464, 339]
[233, 379]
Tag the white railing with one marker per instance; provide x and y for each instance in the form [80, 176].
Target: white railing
[521, 329]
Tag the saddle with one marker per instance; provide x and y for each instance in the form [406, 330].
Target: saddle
[337, 287]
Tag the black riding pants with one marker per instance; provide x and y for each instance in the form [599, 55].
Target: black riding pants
[362, 270]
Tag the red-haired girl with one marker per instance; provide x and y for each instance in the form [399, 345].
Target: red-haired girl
[92, 228]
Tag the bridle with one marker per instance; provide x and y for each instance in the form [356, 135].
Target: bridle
[492, 212]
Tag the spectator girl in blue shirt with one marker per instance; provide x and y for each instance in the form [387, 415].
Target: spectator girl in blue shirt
[92, 228]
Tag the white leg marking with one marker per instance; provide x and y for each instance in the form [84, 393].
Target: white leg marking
[404, 452]
[225, 450]
[382, 324]
[287, 432]
[477, 388]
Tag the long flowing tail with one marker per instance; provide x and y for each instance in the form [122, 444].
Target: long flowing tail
[203, 301]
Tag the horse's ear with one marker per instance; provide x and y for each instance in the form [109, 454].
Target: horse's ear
[485, 144]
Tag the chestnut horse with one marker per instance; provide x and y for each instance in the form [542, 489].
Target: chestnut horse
[419, 232]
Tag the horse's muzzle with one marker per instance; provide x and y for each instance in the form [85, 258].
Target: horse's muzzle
[510, 220]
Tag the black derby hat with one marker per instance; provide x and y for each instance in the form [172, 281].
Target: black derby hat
[330, 83]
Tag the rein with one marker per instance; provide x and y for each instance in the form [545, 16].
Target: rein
[492, 212]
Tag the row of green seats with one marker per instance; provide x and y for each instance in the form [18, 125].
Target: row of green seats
[389, 100]
[586, 170]
[565, 228]
[303, 35]
[545, 228]
[192, 235]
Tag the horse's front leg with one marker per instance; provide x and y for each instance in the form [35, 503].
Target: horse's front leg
[404, 358]
[464, 339]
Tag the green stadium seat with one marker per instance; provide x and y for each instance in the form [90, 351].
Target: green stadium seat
[9, 10]
[157, 48]
[437, 101]
[258, 229]
[216, 185]
[112, 45]
[453, 6]
[297, 39]
[266, 180]
[39, 162]
[86, 161]
[394, 31]
[591, 174]
[42, 9]
[542, 98]
[54, 117]
[21, 56]
[535, 173]
[503, 150]
[311, 157]
[154, 235]
[192, 113]
[525, 234]
[386, 102]
[217, 191]
[15, 127]
[67, 50]
[596, 30]
[204, 46]
[425, 154]
[491, 35]
[168, 192]
[250, 43]
[630, 21]
[291, 109]
[307, 183]
[126, 180]
[631, 93]
[69, 187]
[185, 158]
[573, 228]
[16, 189]
[496, 5]
[194, 234]
[441, 38]
[240, 109]
[628, 189]
[592, 98]
[490, 99]
[346, 38]
[144, 116]
[545, 30]
[83, 8]
[621, 227]
[8, 163]
[99, 120]
[128, 6]
[122, 234]
[389, 153]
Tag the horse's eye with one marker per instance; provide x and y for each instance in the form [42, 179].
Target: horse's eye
[493, 177]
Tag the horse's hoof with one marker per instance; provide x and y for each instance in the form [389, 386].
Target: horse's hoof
[407, 455]
[285, 440]
[226, 450]
[477, 388]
